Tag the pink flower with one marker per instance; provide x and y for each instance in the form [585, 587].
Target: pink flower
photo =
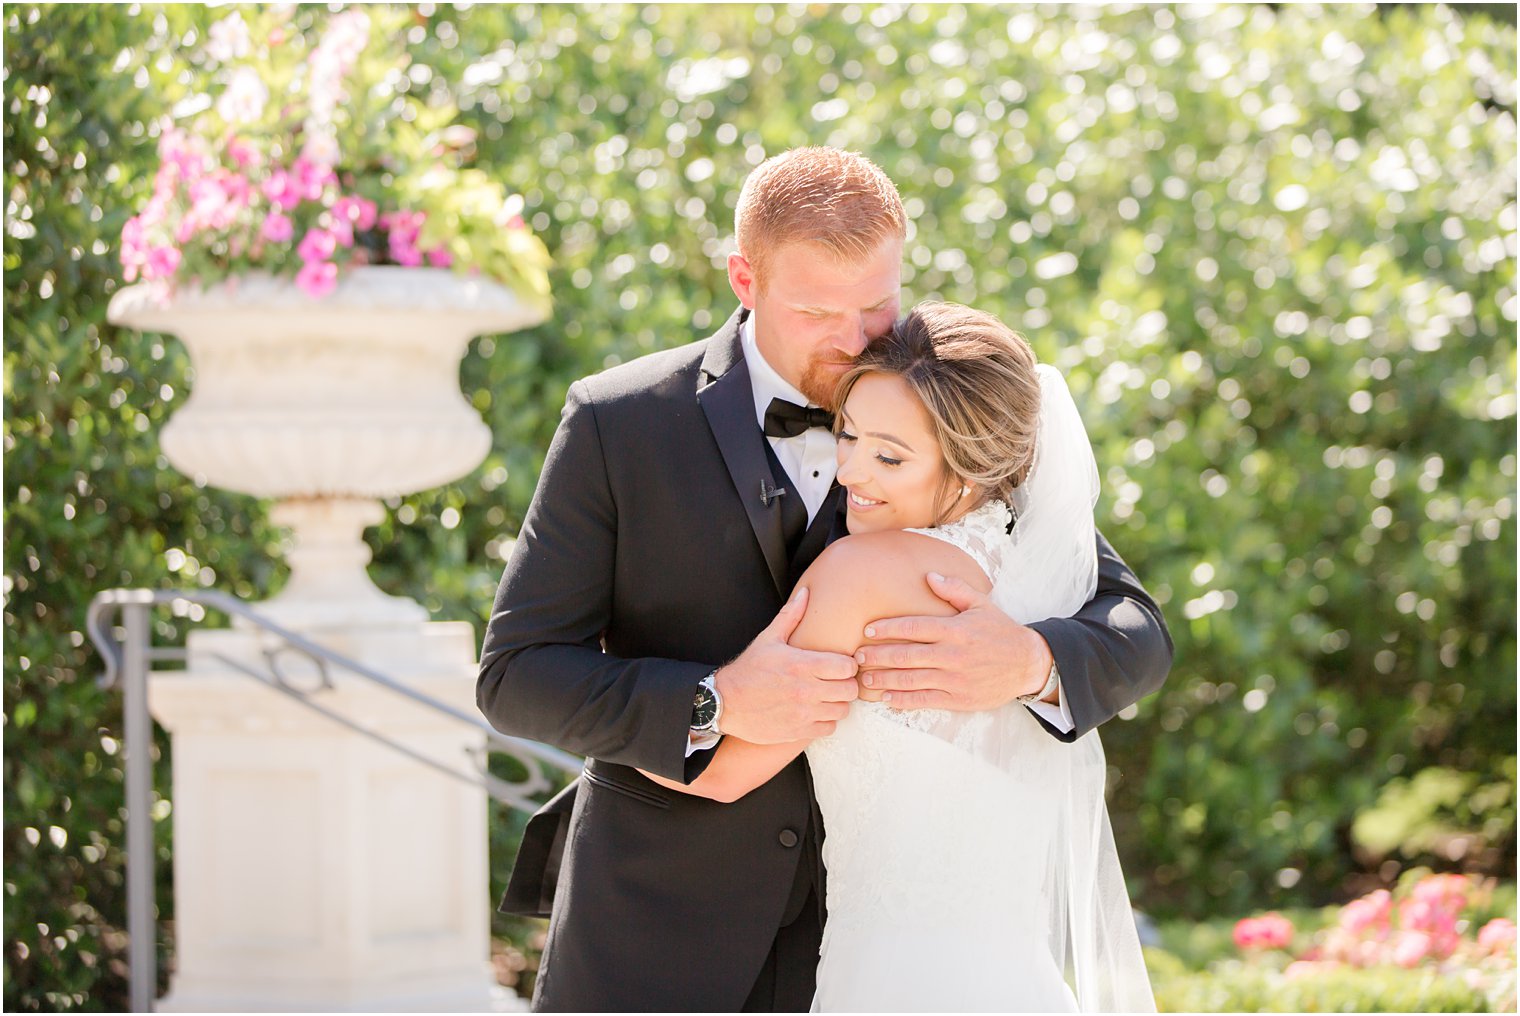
[1448, 892]
[404, 228]
[356, 211]
[242, 153]
[311, 177]
[1427, 915]
[1269, 931]
[216, 199]
[277, 227]
[317, 278]
[439, 257]
[1410, 947]
[405, 254]
[1497, 936]
[317, 245]
[182, 151]
[163, 261]
[1370, 913]
[283, 189]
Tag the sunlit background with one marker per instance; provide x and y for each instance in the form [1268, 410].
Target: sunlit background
[1273, 249]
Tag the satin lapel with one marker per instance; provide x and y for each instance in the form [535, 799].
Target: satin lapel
[729, 403]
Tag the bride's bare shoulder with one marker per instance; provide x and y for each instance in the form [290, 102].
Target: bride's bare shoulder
[864, 578]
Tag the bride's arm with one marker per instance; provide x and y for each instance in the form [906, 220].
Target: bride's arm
[853, 582]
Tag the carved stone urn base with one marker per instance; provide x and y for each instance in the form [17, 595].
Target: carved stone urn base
[328, 586]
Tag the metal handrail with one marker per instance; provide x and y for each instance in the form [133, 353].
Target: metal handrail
[127, 666]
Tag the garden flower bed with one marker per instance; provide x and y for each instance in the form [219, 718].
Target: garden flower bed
[1435, 943]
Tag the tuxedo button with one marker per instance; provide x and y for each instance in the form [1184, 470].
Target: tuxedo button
[788, 838]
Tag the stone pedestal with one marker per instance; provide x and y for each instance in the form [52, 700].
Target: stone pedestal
[315, 869]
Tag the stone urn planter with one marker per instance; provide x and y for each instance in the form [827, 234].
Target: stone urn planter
[316, 870]
[328, 405]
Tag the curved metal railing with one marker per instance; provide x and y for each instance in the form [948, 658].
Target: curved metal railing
[118, 623]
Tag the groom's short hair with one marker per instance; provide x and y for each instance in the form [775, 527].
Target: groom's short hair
[840, 201]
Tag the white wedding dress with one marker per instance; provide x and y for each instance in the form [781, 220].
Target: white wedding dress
[970, 862]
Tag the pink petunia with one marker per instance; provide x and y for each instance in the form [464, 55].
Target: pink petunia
[283, 189]
[277, 227]
[317, 278]
[439, 257]
[163, 261]
[242, 153]
[358, 212]
[317, 245]
[311, 177]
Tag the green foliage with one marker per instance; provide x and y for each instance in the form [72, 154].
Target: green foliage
[90, 502]
[1246, 988]
[1439, 813]
[1273, 249]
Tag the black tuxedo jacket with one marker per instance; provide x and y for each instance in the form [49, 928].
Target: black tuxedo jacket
[646, 559]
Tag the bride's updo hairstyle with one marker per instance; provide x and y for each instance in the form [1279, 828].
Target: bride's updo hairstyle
[976, 378]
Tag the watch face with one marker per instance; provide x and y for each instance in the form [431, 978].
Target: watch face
[704, 708]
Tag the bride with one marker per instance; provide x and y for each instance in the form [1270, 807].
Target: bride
[970, 863]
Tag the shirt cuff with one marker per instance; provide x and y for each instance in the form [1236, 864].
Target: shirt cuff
[695, 744]
[1056, 713]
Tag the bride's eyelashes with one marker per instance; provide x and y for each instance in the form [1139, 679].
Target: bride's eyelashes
[885, 460]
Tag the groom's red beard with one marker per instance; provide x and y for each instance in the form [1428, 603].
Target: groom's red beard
[820, 382]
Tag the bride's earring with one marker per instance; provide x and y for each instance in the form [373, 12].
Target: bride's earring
[965, 490]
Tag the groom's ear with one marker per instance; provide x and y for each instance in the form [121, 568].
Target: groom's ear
[741, 276]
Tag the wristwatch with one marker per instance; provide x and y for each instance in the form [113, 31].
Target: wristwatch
[1052, 682]
[706, 708]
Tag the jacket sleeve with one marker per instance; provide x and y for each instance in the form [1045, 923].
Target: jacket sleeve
[1114, 652]
[543, 674]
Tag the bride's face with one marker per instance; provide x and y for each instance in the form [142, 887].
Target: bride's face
[889, 461]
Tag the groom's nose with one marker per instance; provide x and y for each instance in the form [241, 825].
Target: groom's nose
[852, 338]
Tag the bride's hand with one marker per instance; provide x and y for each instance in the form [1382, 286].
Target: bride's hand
[978, 659]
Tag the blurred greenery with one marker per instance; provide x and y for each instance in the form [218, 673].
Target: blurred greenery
[1272, 247]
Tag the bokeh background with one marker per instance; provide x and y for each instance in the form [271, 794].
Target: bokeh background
[1273, 248]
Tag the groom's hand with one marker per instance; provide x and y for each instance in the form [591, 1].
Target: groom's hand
[774, 693]
[978, 659]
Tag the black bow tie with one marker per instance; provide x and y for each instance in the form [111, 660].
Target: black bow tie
[787, 419]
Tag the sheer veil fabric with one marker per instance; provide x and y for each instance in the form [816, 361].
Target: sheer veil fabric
[971, 865]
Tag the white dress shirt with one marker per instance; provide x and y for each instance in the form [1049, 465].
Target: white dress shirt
[808, 458]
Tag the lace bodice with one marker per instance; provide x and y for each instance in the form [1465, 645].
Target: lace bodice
[983, 533]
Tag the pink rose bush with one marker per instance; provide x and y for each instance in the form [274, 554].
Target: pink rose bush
[1423, 923]
[304, 159]
[1270, 931]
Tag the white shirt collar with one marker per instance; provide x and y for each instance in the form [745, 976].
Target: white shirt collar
[764, 382]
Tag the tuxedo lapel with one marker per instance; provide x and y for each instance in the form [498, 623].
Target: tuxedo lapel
[728, 400]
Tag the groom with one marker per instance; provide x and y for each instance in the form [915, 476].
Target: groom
[645, 610]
